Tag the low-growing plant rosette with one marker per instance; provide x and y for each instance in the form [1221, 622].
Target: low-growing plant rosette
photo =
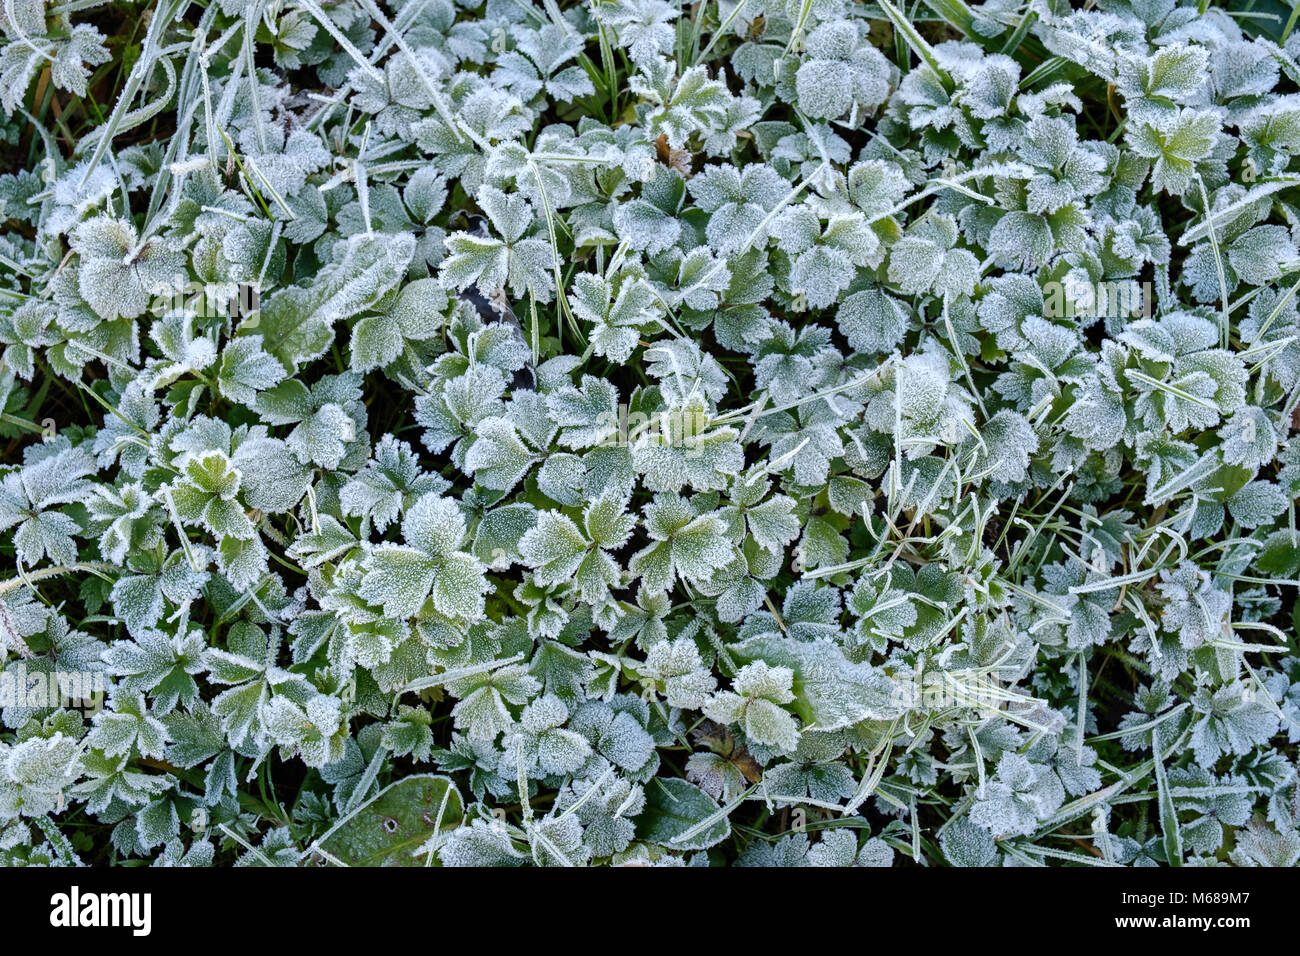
[609, 433]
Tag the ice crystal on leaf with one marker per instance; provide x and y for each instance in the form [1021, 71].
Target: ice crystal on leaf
[627, 420]
[399, 578]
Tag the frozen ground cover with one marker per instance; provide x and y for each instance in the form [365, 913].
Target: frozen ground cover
[775, 432]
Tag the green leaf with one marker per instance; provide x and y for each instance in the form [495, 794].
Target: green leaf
[1171, 835]
[830, 691]
[387, 828]
[672, 808]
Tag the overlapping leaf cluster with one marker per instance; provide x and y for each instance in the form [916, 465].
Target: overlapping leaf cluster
[777, 433]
